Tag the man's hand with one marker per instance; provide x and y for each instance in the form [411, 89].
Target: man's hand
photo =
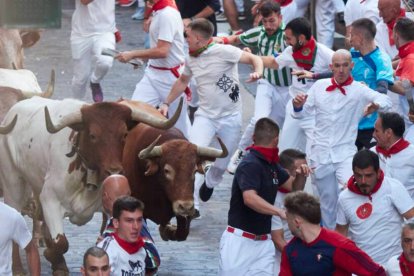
[146, 25]
[124, 57]
[302, 74]
[370, 108]
[303, 170]
[163, 109]
[281, 213]
[254, 77]
[299, 100]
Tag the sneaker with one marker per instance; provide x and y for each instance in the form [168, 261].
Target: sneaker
[205, 192]
[235, 161]
[139, 14]
[196, 214]
[126, 3]
[241, 16]
[221, 17]
[97, 94]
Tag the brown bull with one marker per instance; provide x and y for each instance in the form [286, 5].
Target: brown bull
[163, 175]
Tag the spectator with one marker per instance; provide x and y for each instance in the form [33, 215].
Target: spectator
[372, 209]
[95, 262]
[403, 265]
[318, 251]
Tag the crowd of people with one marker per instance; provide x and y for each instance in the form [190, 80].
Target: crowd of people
[344, 119]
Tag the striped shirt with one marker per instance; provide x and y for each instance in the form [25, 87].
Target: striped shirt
[269, 46]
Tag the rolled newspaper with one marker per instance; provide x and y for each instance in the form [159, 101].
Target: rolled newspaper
[113, 53]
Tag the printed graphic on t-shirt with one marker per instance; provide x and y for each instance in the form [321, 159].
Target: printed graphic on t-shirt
[364, 211]
[135, 270]
[226, 84]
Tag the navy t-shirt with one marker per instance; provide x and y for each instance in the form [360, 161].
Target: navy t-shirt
[254, 173]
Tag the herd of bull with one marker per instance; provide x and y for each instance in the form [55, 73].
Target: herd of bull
[56, 153]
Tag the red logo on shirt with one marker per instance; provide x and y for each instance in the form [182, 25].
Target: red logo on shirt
[364, 211]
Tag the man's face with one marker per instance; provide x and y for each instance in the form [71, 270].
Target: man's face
[356, 39]
[291, 40]
[387, 12]
[272, 23]
[129, 224]
[407, 243]
[366, 179]
[380, 135]
[292, 224]
[192, 39]
[109, 196]
[341, 67]
[96, 266]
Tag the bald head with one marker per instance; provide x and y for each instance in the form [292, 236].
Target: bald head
[342, 54]
[389, 9]
[113, 187]
[341, 65]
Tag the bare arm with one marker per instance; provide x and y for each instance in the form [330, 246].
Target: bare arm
[177, 89]
[256, 62]
[33, 258]
[278, 239]
[409, 214]
[232, 39]
[270, 62]
[252, 200]
[342, 229]
[160, 51]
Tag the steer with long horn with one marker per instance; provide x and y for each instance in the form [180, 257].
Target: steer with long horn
[160, 166]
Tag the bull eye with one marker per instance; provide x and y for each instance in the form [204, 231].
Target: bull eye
[92, 137]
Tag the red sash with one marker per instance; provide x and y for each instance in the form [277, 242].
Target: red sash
[391, 24]
[270, 154]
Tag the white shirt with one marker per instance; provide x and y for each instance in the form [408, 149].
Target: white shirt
[123, 263]
[357, 9]
[392, 267]
[400, 166]
[322, 60]
[379, 234]
[216, 74]
[166, 25]
[16, 231]
[336, 118]
[95, 18]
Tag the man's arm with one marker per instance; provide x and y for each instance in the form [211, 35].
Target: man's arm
[177, 89]
[409, 214]
[160, 51]
[270, 62]
[278, 239]
[342, 229]
[297, 182]
[256, 62]
[258, 204]
[33, 258]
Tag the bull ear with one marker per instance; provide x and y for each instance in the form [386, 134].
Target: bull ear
[151, 167]
[29, 38]
[131, 124]
[76, 126]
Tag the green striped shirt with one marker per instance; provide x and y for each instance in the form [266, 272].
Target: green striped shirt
[268, 46]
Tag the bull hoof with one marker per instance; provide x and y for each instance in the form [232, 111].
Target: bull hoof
[60, 273]
[167, 232]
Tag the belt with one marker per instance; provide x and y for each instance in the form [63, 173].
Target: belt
[248, 235]
[174, 71]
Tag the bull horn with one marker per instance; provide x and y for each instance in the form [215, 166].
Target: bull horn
[139, 115]
[151, 150]
[49, 91]
[70, 119]
[211, 152]
[8, 128]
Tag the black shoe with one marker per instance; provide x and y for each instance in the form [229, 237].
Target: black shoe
[205, 192]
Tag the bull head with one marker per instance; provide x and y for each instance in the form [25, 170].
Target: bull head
[8, 128]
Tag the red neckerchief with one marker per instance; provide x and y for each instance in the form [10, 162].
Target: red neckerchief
[406, 267]
[198, 52]
[164, 3]
[305, 55]
[396, 148]
[335, 85]
[270, 154]
[354, 188]
[391, 24]
[284, 3]
[406, 49]
[130, 247]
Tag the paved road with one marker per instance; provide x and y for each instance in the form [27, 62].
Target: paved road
[199, 254]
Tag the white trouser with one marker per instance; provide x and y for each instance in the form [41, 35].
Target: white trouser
[88, 62]
[296, 133]
[242, 256]
[154, 88]
[328, 178]
[202, 133]
[270, 102]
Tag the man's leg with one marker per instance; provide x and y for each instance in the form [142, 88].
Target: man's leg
[292, 135]
[325, 22]
[82, 58]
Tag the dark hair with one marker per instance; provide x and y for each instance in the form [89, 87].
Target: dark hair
[393, 121]
[405, 28]
[269, 7]
[95, 252]
[288, 157]
[126, 203]
[366, 26]
[304, 205]
[265, 131]
[203, 27]
[300, 26]
[364, 159]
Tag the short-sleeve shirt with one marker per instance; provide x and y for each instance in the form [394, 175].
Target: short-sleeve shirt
[166, 25]
[377, 232]
[16, 231]
[322, 61]
[269, 46]
[254, 173]
[216, 74]
[371, 68]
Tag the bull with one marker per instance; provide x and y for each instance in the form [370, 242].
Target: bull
[163, 175]
[62, 150]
